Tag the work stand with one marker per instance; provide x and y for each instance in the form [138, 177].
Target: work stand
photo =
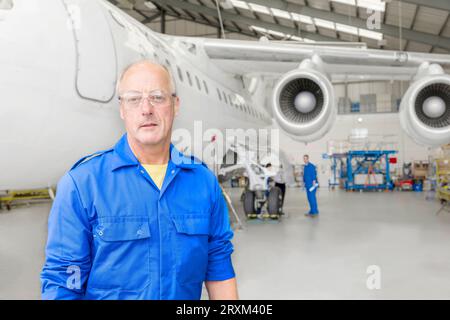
[227, 197]
[444, 207]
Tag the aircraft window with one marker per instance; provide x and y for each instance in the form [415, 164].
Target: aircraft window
[180, 74]
[218, 94]
[189, 78]
[206, 87]
[198, 83]
[231, 101]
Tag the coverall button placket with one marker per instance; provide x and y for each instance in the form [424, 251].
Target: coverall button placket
[167, 259]
[155, 189]
[162, 211]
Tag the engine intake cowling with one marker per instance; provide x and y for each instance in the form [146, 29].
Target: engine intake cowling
[303, 104]
[425, 110]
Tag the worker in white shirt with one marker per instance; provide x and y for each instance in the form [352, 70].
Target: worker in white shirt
[280, 182]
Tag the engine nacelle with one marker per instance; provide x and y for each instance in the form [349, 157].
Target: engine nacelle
[425, 108]
[303, 104]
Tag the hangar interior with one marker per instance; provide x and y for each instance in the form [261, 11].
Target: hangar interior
[405, 26]
[383, 197]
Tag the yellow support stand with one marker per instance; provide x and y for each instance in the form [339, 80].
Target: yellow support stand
[10, 198]
[443, 182]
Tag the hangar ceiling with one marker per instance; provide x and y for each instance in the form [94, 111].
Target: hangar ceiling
[398, 25]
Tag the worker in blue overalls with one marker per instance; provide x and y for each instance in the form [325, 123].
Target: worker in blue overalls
[310, 180]
[140, 220]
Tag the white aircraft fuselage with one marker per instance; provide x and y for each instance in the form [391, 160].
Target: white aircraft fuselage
[60, 61]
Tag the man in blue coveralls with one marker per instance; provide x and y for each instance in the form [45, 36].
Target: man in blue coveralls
[310, 180]
[140, 220]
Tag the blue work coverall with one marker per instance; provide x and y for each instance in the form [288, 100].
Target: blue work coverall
[112, 234]
[309, 176]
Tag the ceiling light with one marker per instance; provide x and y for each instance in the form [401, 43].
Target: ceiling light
[346, 29]
[371, 34]
[238, 4]
[324, 23]
[258, 8]
[281, 13]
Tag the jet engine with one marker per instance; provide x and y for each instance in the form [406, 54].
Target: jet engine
[303, 102]
[425, 107]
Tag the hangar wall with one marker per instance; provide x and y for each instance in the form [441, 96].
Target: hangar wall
[408, 150]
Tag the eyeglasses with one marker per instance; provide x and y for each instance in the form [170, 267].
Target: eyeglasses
[156, 98]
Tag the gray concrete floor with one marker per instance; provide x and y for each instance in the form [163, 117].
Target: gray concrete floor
[298, 257]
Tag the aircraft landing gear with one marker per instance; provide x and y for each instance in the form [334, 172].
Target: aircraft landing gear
[249, 203]
[274, 203]
[255, 201]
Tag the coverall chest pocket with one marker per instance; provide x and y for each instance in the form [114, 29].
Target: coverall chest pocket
[121, 255]
[192, 233]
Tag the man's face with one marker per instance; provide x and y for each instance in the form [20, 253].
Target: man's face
[146, 123]
[305, 159]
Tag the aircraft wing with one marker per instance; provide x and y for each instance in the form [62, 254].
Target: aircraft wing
[343, 61]
[296, 81]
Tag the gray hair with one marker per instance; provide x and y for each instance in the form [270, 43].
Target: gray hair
[124, 71]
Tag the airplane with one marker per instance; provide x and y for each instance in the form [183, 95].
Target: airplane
[59, 73]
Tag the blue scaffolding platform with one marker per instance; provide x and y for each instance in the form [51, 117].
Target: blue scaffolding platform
[366, 164]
